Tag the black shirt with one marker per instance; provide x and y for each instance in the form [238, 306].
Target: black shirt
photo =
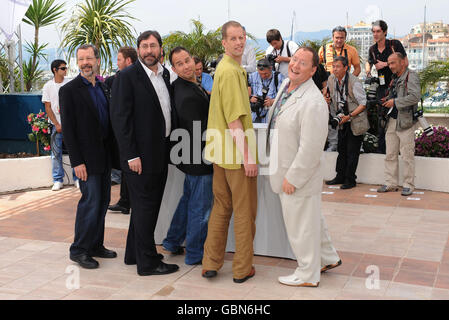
[192, 105]
[320, 76]
[375, 56]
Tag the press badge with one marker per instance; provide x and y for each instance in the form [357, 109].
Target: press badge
[382, 80]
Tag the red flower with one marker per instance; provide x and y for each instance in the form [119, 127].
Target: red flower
[47, 148]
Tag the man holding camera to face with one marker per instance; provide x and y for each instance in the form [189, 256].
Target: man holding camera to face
[279, 52]
[264, 84]
[402, 103]
[347, 97]
[378, 57]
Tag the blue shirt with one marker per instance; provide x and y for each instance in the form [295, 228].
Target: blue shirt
[100, 102]
[207, 82]
[257, 83]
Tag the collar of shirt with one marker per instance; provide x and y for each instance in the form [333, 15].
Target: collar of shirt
[150, 72]
[230, 60]
[87, 82]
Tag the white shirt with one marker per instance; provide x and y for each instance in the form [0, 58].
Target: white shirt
[50, 93]
[162, 93]
[249, 59]
[283, 66]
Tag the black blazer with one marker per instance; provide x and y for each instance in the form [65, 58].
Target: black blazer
[81, 128]
[138, 121]
[192, 104]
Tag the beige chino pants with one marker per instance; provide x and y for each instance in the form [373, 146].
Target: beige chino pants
[403, 142]
[233, 192]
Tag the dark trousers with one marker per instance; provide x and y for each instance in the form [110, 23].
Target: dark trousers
[381, 121]
[90, 214]
[348, 154]
[146, 191]
[124, 193]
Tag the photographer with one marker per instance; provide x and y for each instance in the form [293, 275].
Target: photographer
[264, 84]
[339, 47]
[378, 57]
[279, 52]
[348, 98]
[405, 93]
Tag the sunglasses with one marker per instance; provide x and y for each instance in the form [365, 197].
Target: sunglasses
[63, 68]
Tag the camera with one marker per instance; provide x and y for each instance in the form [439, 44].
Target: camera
[418, 115]
[372, 84]
[271, 58]
[258, 106]
[334, 121]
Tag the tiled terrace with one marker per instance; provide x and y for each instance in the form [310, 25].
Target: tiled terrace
[406, 239]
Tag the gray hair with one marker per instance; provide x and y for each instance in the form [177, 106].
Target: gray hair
[87, 46]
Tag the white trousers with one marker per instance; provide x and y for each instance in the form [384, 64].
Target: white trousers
[308, 235]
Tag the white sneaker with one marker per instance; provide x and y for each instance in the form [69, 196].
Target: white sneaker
[293, 280]
[77, 184]
[57, 186]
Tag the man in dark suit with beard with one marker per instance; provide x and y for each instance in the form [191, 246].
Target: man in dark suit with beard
[88, 137]
[141, 115]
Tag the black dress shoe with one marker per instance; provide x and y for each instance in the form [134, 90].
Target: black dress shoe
[118, 208]
[209, 273]
[334, 181]
[250, 275]
[104, 253]
[162, 268]
[85, 261]
[346, 186]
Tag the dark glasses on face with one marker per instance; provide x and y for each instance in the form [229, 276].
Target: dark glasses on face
[63, 68]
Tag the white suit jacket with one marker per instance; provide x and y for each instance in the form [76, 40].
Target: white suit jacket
[297, 154]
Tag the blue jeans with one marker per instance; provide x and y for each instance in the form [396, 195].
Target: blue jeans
[190, 219]
[90, 214]
[56, 157]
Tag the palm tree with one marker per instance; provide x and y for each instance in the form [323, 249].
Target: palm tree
[40, 13]
[102, 23]
[436, 71]
[206, 46]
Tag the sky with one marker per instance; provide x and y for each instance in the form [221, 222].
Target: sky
[258, 16]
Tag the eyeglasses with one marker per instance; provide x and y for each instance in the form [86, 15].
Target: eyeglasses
[63, 68]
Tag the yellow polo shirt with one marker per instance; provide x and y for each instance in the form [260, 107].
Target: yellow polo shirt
[353, 55]
[229, 102]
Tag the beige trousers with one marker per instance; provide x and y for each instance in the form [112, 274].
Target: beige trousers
[403, 142]
[308, 235]
[233, 192]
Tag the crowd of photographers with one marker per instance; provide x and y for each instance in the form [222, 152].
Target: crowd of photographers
[387, 108]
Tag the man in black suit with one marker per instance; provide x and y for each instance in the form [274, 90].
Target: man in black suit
[88, 137]
[190, 219]
[126, 56]
[142, 121]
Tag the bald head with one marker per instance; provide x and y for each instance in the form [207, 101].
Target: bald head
[397, 63]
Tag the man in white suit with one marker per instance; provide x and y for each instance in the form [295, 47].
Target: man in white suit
[300, 115]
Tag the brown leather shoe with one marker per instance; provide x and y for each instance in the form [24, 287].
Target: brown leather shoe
[331, 266]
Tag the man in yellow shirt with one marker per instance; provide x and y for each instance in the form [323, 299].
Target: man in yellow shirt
[230, 143]
[338, 47]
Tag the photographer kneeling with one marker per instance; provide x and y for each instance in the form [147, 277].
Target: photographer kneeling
[348, 98]
[264, 85]
[404, 95]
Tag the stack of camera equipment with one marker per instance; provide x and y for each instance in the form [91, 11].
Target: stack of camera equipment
[258, 106]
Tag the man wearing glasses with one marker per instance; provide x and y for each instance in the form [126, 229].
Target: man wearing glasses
[50, 97]
[327, 53]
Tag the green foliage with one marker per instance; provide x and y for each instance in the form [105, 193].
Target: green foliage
[315, 44]
[40, 13]
[206, 46]
[43, 13]
[103, 23]
[31, 74]
[436, 71]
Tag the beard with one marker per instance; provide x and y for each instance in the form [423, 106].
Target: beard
[150, 64]
[87, 72]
